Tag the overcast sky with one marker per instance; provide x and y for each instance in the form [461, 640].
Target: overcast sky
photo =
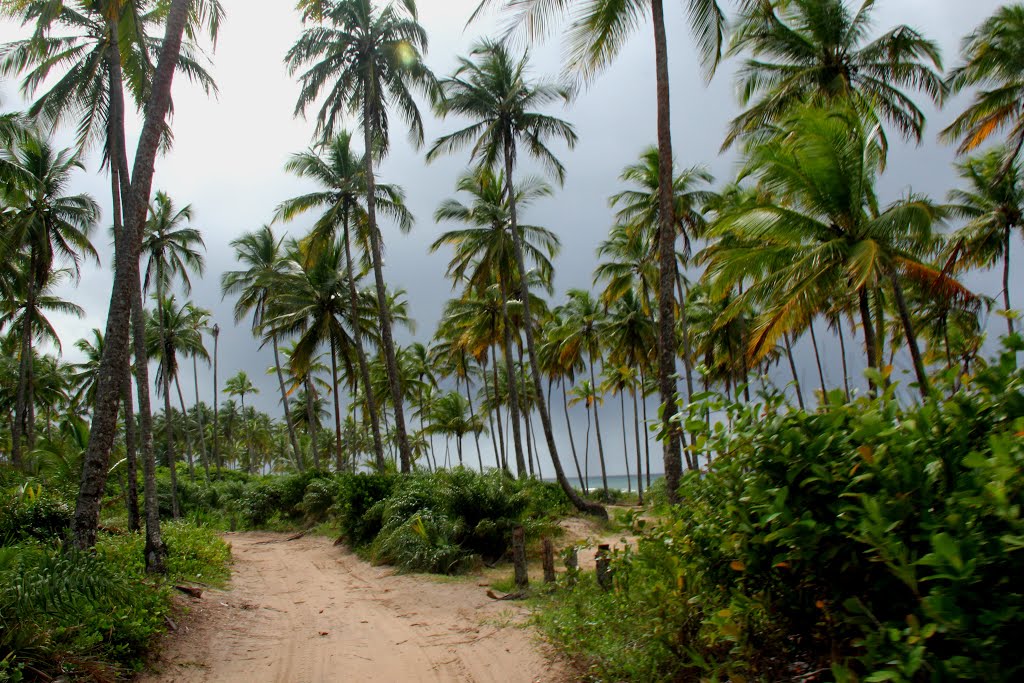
[229, 153]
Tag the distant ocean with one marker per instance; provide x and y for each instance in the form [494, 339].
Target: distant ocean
[615, 481]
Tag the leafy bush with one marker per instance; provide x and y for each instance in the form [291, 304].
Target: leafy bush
[32, 514]
[357, 494]
[870, 541]
[193, 553]
[318, 499]
[442, 522]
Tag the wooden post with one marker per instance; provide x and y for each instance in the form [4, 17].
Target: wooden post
[549, 561]
[572, 564]
[604, 574]
[519, 557]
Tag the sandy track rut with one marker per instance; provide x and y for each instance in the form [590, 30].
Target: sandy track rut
[304, 611]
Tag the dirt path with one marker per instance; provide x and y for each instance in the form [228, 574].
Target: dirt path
[304, 611]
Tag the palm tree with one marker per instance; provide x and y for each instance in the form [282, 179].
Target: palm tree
[372, 58]
[629, 333]
[818, 233]
[993, 205]
[993, 58]
[171, 252]
[169, 336]
[580, 334]
[485, 252]
[491, 88]
[312, 306]
[260, 251]
[450, 415]
[341, 175]
[596, 35]
[239, 386]
[818, 50]
[197, 321]
[128, 298]
[639, 210]
[51, 227]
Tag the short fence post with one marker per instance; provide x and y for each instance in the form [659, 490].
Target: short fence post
[549, 561]
[604, 573]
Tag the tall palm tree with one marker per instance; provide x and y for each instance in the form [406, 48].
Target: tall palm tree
[492, 89]
[629, 335]
[197, 321]
[171, 251]
[312, 306]
[372, 58]
[596, 35]
[818, 237]
[260, 251]
[239, 386]
[993, 205]
[819, 50]
[639, 210]
[450, 415]
[51, 227]
[170, 336]
[485, 253]
[341, 175]
[993, 59]
[580, 334]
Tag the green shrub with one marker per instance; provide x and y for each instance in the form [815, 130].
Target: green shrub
[357, 494]
[318, 499]
[867, 540]
[193, 553]
[33, 514]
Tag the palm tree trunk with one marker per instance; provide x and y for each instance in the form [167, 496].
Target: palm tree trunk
[597, 429]
[513, 384]
[792, 369]
[572, 442]
[130, 453]
[625, 446]
[21, 422]
[387, 342]
[287, 410]
[842, 353]
[1006, 280]
[115, 353]
[923, 384]
[817, 360]
[364, 366]
[476, 434]
[311, 419]
[524, 409]
[156, 551]
[502, 454]
[188, 437]
[545, 417]
[216, 402]
[169, 456]
[248, 437]
[684, 329]
[489, 401]
[869, 330]
[647, 440]
[636, 434]
[203, 457]
[666, 260]
[880, 333]
[339, 460]
[586, 453]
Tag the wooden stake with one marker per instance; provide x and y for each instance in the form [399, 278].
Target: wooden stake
[549, 561]
[519, 556]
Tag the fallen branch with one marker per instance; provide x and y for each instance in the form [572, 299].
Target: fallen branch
[519, 595]
[196, 593]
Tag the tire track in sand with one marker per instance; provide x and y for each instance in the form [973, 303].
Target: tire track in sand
[305, 611]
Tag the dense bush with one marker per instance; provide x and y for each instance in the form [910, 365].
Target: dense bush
[444, 521]
[864, 541]
[32, 513]
[357, 493]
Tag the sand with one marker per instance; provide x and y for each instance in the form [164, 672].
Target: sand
[306, 611]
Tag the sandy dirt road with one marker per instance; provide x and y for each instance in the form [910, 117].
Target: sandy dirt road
[304, 611]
